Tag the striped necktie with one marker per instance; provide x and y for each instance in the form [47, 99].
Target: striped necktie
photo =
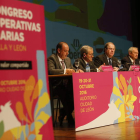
[63, 65]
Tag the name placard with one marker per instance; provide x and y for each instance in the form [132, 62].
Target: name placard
[135, 67]
[107, 68]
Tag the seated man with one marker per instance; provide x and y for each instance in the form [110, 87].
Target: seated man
[131, 58]
[107, 58]
[59, 63]
[86, 58]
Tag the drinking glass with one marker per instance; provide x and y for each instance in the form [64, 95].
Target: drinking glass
[119, 63]
[76, 64]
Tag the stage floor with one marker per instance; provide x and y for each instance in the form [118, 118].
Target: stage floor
[122, 131]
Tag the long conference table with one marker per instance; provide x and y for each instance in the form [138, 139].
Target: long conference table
[104, 98]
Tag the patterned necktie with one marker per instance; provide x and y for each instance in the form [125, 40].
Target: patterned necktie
[110, 62]
[63, 65]
[65, 81]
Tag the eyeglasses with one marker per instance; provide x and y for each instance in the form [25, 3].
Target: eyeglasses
[135, 52]
[111, 49]
[91, 54]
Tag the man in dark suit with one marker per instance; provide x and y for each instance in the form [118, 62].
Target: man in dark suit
[131, 58]
[86, 58]
[59, 63]
[107, 58]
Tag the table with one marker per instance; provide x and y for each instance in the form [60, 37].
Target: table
[59, 76]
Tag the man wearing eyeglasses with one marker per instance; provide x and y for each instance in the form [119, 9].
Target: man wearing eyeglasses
[87, 58]
[107, 58]
[131, 58]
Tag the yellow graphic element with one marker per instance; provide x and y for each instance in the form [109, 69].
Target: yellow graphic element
[29, 112]
[138, 80]
[17, 132]
[42, 102]
[126, 98]
[44, 117]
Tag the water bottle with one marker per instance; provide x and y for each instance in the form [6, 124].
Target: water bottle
[87, 68]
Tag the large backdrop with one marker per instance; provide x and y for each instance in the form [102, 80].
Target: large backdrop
[87, 22]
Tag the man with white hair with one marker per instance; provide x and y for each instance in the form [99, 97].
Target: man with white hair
[87, 58]
[131, 58]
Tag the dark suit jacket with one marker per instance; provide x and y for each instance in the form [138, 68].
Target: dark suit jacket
[54, 66]
[127, 62]
[101, 59]
[82, 65]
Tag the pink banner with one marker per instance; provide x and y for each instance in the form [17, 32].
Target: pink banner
[24, 100]
[105, 98]
[136, 92]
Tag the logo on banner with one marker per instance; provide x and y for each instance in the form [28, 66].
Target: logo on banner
[76, 44]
